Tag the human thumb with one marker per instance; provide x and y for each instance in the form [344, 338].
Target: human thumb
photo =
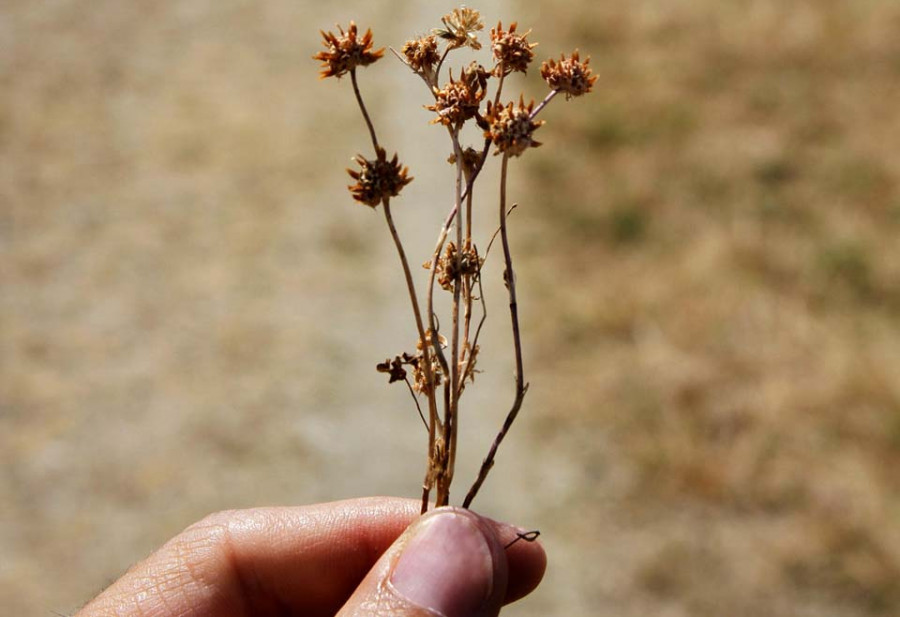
[449, 563]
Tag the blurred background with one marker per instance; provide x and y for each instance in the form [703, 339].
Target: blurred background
[191, 305]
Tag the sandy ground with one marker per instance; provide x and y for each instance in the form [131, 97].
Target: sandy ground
[192, 307]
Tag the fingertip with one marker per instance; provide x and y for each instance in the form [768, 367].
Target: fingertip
[526, 559]
[527, 564]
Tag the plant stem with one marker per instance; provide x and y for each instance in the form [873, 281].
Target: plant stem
[410, 285]
[450, 393]
[437, 71]
[543, 103]
[521, 386]
[453, 416]
[467, 282]
[499, 86]
[415, 399]
[442, 237]
[432, 403]
[365, 113]
[474, 342]
[429, 296]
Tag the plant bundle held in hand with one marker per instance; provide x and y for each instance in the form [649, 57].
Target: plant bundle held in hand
[442, 363]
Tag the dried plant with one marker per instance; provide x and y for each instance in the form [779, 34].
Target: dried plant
[442, 363]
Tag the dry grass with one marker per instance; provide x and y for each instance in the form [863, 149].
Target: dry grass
[730, 302]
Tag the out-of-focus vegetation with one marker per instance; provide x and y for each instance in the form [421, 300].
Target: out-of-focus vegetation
[721, 300]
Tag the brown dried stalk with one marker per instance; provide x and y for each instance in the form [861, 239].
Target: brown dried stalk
[456, 264]
[509, 277]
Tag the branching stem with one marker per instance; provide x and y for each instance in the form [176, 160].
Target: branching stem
[521, 386]
[442, 237]
[432, 403]
[441, 460]
[417, 313]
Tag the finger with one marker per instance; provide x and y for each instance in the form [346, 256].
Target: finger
[451, 562]
[265, 561]
[250, 562]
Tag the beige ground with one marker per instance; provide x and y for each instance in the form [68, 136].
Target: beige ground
[191, 306]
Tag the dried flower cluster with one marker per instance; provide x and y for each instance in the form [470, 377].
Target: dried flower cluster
[460, 27]
[378, 179]
[454, 265]
[440, 365]
[511, 50]
[460, 100]
[569, 75]
[511, 128]
[394, 367]
[346, 52]
[422, 54]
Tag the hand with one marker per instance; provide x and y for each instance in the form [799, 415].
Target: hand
[348, 558]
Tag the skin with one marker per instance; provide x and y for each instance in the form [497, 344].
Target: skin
[318, 560]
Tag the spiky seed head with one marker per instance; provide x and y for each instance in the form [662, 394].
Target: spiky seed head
[422, 54]
[378, 179]
[346, 51]
[510, 49]
[511, 128]
[569, 75]
[460, 99]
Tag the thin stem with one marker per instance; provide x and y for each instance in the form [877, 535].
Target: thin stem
[362, 107]
[450, 393]
[471, 180]
[453, 415]
[425, 492]
[426, 359]
[433, 327]
[543, 103]
[415, 399]
[410, 285]
[429, 299]
[442, 237]
[487, 251]
[437, 71]
[467, 283]
[469, 217]
[404, 61]
[521, 386]
[443, 474]
[474, 343]
[499, 86]
[400, 58]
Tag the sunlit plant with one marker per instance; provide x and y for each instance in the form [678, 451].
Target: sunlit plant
[444, 358]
